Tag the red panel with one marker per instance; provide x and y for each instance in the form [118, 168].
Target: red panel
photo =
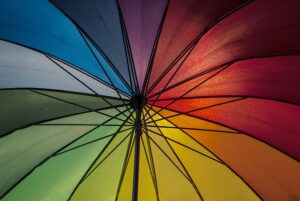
[185, 20]
[273, 122]
[275, 78]
[261, 28]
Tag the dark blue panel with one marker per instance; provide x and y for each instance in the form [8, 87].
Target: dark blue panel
[100, 19]
[39, 25]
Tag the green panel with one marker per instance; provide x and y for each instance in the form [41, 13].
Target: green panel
[24, 149]
[102, 183]
[56, 179]
[115, 143]
[22, 107]
[86, 118]
[89, 101]
[100, 132]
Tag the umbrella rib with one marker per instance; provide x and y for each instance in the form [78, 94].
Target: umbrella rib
[63, 91]
[153, 51]
[91, 110]
[199, 84]
[89, 75]
[151, 166]
[230, 96]
[220, 66]
[190, 148]
[94, 44]
[90, 142]
[46, 159]
[199, 129]
[44, 121]
[182, 95]
[126, 42]
[151, 157]
[83, 83]
[183, 166]
[202, 108]
[94, 161]
[221, 161]
[187, 50]
[106, 157]
[166, 155]
[125, 164]
[99, 63]
[199, 37]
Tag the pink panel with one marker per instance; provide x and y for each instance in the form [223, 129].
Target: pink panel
[142, 19]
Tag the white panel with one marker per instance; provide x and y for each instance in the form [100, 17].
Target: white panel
[22, 67]
[91, 82]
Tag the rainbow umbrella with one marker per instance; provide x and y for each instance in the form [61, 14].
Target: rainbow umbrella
[149, 100]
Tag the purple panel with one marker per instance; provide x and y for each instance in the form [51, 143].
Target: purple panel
[142, 19]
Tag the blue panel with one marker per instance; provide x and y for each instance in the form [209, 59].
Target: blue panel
[39, 25]
[116, 81]
[100, 19]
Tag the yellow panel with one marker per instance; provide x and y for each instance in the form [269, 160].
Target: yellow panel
[102, 183]
[146, 189]
[118, 138]
[272, 174]
[179, 136]
[127, 183]
[215, 181]
[163, 144]
[172, 185]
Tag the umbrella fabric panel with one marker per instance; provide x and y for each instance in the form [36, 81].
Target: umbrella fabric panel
[275, 27]
[267, 120]
[21, 67]
[59, 175]
[22, 150]
[259, 118]
[187, 121]
[183, 89]
[148, 189]
[188, 105]
[107, 170]
[51, 171]
[125, 187]
[164, 81]
[142, 20]
[273, 78]
[41, 26]
[30, 108]
[112, 78]
[100, 19]
[171, 182]
[85, 118]
[92, 102]
[94, 85]
[185, 21]
[273, 175]
[207, 172]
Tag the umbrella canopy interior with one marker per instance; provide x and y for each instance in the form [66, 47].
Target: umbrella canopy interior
[149, 100]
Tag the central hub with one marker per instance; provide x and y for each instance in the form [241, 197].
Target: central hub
[138, 102]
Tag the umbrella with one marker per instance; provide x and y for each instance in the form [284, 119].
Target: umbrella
[149, 100]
